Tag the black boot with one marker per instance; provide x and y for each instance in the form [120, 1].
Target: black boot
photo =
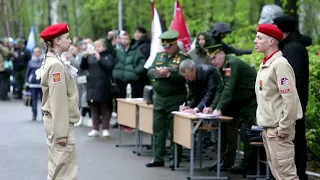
[155, 164]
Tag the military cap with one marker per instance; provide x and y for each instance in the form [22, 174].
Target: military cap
[286, 23]
[53, 31]
[168, 38]
[270, 30]
[20, 40]
[211, 50]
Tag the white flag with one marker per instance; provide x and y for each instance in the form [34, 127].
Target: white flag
[155, 42]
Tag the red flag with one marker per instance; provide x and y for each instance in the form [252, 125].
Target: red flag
[179, 25]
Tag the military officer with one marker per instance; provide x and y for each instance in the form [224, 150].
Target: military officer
[278, 103]
[237, 100]
[169, 92]
[59, 103]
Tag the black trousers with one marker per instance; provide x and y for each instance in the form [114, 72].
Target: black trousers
[4, 81]
[300, 147]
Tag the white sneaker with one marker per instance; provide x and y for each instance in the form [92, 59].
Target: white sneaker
[89, 123]
[105, 133]
[80, 122]
[93, 133]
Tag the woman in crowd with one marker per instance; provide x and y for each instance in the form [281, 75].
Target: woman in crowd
[32, 82]
[99, 63]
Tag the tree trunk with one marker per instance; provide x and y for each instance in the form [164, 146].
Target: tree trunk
[251, 12]
[7, 29]
[53, 11]
[278, 2]
[291, 8]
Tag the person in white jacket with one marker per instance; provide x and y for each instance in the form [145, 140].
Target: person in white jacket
[278, 103]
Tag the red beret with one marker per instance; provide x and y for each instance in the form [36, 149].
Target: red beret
[270, 30]
[53, 31]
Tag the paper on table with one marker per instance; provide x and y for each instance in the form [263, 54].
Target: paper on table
[201, 115]
[181, 112]
[135, 99]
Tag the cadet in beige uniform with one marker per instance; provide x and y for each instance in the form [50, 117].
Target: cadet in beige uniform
[59, 104]
[278, 103]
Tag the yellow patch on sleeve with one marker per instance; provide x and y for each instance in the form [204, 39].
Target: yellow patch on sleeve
[56, 77]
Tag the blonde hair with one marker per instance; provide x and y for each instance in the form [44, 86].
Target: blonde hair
[101, 41]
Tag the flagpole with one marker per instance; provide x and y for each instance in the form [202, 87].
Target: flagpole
[120, 26]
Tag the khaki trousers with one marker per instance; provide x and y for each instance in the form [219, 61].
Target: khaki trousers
[62, 164]
[280, 154]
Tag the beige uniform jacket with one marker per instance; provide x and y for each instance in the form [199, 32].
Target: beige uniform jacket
[278, 101]
[60, 96]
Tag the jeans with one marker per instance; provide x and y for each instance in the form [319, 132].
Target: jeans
[35, 93]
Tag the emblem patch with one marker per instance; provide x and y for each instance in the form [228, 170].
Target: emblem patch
[227, 72]
[56, 77]
[284, 81]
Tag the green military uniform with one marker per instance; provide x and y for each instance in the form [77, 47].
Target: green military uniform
[237, 100]
[169, 93]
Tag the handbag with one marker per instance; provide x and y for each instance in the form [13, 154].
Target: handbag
[114, 87]
[27, 101]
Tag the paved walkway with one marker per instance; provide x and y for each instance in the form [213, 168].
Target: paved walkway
[24, 152]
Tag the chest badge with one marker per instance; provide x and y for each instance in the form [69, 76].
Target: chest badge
[176, 59]
[260, 85]
[227, 72]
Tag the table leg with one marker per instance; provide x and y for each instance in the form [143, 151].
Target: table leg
[137, 131]
[140, 142]
[175, 159]
[219, 149]
[119, 136]
[200, 149]
[192, 155]
[258, 161]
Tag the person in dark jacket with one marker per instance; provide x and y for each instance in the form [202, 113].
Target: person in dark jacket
[129, 66]
[218, 32]
[198, 55]
[20, 64]
[99, 64]
[293, 47]
[32, 82]
[143, 44]
[203, 82]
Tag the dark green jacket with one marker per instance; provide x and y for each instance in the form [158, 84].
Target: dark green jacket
[169, 91]
[239, 81]
[129, 64]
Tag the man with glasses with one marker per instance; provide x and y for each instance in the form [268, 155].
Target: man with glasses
[238, 100]
[169, 92]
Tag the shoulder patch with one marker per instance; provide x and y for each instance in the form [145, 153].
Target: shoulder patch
[56, 77]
